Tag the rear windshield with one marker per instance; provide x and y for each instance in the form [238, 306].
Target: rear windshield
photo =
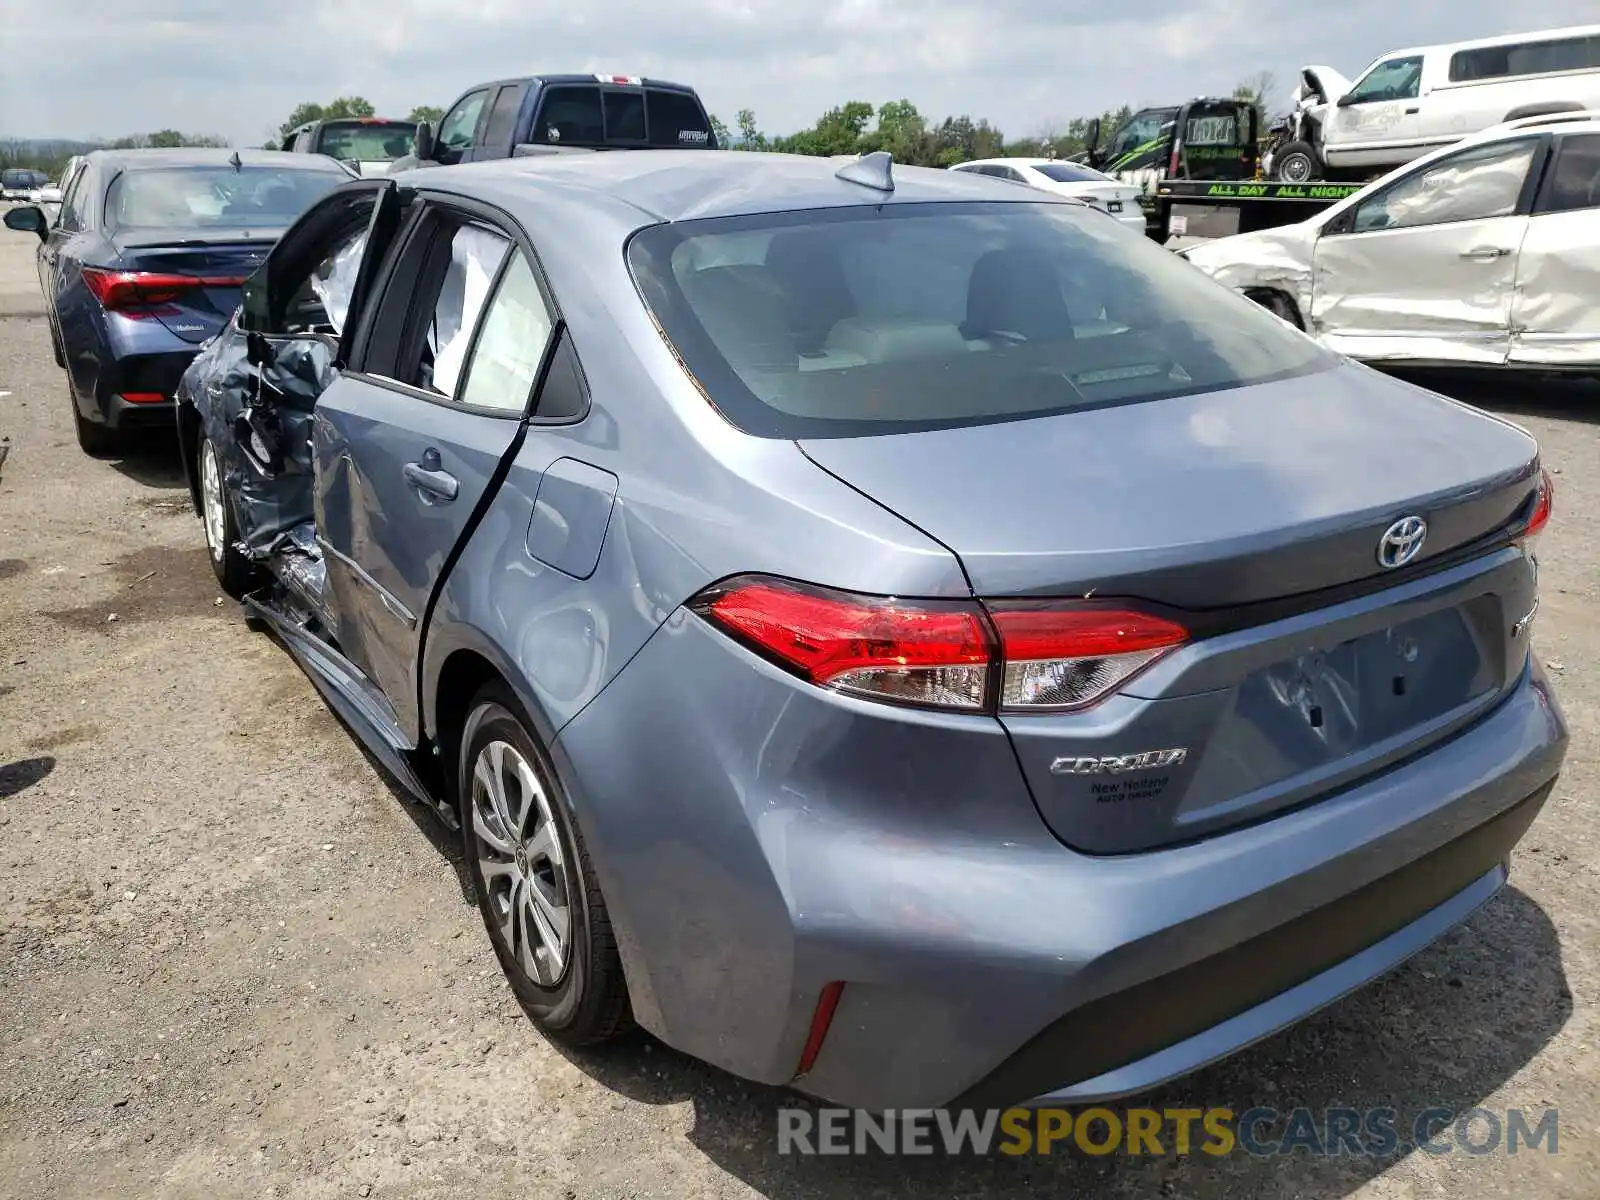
[366, 141]
[585, 115]
[186, 197]
[1063, 172]
[864, 320]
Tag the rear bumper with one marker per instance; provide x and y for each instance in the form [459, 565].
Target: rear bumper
[760, 838]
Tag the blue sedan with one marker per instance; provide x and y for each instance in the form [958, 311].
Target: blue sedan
[883, 631]
[143, 263]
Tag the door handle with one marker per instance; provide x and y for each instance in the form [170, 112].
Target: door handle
[1485, 253]
[436, 485]
[1411, 112]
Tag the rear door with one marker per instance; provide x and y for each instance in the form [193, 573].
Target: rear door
[411, 447]
[1555, 320]
[1424, 268]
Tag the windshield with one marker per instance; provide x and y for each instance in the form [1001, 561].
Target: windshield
[844, 322]
[1064, 172]
[185, 197]
[366, 141]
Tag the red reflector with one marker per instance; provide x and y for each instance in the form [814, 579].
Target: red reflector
[143, 397]
[924, 653]
[820, 1020]
[146, 289]
[1542, 506]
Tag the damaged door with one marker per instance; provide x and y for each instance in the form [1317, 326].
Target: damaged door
[410, 452]
[1555, 320]
[1424, 268]
[255, 388]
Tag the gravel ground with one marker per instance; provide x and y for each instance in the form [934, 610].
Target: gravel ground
[233, 961]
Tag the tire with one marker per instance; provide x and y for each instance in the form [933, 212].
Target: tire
[576, 995]
[1295, 162]
[94, 439]
[1278, 304]
[236, 573]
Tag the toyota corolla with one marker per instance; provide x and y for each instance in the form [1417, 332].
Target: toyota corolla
[883, 631]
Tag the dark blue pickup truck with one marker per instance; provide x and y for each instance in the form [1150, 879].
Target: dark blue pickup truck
[547, 113]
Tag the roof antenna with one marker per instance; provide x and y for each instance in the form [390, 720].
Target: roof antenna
[870, 170]
[234, 161]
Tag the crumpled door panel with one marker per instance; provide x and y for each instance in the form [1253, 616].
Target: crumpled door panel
[260, 422]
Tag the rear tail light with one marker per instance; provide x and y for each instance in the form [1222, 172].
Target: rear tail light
[1543, 502]
[121, 291]
[1054, 657]
[1014, 657]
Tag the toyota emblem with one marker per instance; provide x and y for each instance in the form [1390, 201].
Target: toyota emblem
[1402, 542]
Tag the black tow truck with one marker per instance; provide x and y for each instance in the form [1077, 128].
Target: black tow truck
[1198, 165]
[1213, 208]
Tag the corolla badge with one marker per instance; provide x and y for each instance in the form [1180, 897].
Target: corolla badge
[1402, 542]
[1116, 764]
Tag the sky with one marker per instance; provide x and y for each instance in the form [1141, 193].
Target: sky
[231, 67]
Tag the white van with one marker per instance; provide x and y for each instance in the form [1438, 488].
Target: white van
[1409, 102]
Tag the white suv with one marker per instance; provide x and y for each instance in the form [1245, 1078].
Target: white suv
[1409, 102]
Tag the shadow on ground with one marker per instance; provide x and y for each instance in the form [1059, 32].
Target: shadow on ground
[150, 457]
[1443, 1032]
[1565, 397]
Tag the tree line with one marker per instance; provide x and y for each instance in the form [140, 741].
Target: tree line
[855, 127]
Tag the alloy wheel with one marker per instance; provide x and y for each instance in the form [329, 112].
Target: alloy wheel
[521, 862]
[211, 501]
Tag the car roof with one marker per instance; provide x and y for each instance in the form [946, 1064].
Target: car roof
[208, 156]
[595, 78]
[682, 185]
[1499, 39]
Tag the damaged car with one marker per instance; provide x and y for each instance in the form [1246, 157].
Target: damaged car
[1484, 254]
[881, 630]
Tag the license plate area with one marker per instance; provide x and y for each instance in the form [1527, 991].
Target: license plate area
[1113, 205]
[1323, 705]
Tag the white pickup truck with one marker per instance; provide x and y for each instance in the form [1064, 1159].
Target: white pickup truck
[1409, 102]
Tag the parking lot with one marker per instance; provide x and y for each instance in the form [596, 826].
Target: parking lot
[234, 961]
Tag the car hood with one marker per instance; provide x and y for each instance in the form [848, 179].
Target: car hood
[1220, 498]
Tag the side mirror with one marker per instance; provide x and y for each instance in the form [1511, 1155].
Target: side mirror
[29, 219]
[1346, 100]
[1091, 141]
[424, 142]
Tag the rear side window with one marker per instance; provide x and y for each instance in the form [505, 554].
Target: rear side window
[1064, 172]
[503, 116]
[676, 119]
[1526, 58]
[1574, 182]
[570, 114]
[864, 320]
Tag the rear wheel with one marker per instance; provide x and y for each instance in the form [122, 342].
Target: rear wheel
[536, 887]
[94, 439]
[1278, 304]
[236, 573]
[1295, 162]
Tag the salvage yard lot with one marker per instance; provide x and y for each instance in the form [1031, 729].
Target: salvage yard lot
[233, 961]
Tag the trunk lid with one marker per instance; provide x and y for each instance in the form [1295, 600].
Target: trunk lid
[1257, 514]
[223, 263]
[1111, 195]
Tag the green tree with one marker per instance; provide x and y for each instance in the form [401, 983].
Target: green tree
[343, 106]
[837, 131]
[720, 132]
[167, 139]
[901, 130]
[750, 135]
[1259, 90]
[428, 113]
